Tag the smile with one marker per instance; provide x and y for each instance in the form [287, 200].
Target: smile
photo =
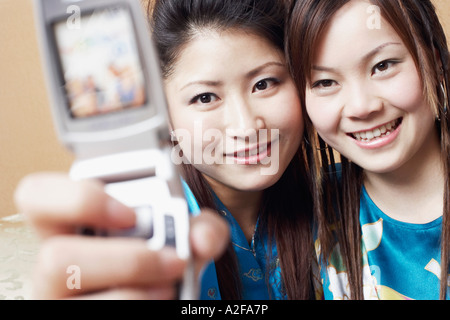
[252, 155]
[377, 133]
[378, 137]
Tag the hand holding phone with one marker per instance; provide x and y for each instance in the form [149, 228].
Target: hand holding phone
[109, 109]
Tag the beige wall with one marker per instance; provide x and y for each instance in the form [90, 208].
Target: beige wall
[443, 7]
[27, 140]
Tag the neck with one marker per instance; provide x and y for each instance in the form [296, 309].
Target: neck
[243, 205]
[414, 192]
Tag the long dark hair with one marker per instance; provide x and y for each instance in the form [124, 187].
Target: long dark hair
[286, 210]
[417, 24]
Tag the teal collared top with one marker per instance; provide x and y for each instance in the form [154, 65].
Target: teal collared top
[259, 266]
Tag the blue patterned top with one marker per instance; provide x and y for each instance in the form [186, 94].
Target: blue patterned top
[400, 260]
[260, 277]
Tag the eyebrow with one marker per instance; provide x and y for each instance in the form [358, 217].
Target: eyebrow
[366, 57]
[249, 74]
[203, 82]
[259, 69]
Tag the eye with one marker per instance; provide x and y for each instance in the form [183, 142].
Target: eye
[383, 66]
[323, 84]
[265, 84]
[204, 98]
[325, 87]
[262, 85]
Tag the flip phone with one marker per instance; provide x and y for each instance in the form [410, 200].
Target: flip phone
[109, 109]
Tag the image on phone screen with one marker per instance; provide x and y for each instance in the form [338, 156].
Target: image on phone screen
[100, 63]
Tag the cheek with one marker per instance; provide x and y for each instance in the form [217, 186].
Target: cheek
[199, 137]
[181, 126]
[324, 116]
[288, 116]
[405, 92]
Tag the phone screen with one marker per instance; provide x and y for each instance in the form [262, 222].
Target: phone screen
[100, 63]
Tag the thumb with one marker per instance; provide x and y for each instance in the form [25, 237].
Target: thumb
[209, 237]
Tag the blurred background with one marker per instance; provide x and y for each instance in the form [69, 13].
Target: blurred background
[27, 140]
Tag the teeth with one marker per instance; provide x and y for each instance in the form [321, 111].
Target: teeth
[253, 152]
[384, 130]
[377, 133]
[263, 147]
[390, 125]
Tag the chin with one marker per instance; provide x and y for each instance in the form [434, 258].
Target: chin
[259, 183]
[242, 180]
[378, 167]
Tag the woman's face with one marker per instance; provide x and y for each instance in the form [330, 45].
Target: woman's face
[365, 97]
[234, 109]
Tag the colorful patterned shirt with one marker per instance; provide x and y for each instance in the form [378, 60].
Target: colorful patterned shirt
[400, 260]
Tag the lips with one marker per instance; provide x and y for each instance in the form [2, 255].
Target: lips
[251, 155]
[250, 152]
[378, 132]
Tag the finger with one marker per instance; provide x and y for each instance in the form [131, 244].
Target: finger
[75, 265]
[210, 235]
[55, 204]
[161, 293]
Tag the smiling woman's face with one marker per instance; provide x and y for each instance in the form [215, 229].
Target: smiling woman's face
[235, 109]
[365, 97]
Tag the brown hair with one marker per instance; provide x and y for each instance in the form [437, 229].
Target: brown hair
[417, 24]
[286, 211]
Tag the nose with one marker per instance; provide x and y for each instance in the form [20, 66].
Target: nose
[361, 101]
[243, 119]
